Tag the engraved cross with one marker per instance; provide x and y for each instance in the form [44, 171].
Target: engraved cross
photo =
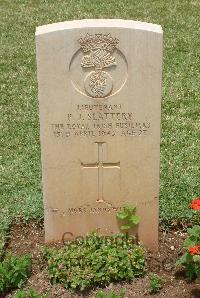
[100, 165]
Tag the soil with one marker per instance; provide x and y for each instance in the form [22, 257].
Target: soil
[29, 238]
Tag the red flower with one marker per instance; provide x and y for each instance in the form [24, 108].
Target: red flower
[194, 250]
[195, 205]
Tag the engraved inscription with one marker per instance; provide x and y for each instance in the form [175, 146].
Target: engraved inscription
[96, 209]
[100, 120]
[86, 209]
[100, 165]
[99, 49]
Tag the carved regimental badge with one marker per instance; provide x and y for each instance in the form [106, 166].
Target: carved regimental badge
[99, 55]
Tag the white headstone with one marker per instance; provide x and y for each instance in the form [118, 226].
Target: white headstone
[100, 96]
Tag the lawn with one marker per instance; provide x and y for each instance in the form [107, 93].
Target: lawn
[21, 170]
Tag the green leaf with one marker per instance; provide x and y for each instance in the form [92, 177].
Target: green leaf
[101, 294]
[194, 231]
[181, 261]
[129, 208]
[126, 227]
[189, 242]
[122, 215]
[196, 259]
[190, 271]
[188, 257]
[134, 220]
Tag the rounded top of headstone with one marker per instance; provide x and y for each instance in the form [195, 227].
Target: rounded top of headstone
[87, 23]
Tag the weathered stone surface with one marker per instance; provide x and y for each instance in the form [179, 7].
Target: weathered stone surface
[99, 95]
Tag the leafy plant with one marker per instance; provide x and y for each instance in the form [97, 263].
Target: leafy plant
[127, 215]
[191, 259]
[13, 271]
[95, 260]
[155, 283]
[112, 294]
[31, 293]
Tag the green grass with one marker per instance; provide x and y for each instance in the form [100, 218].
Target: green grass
[21, 172]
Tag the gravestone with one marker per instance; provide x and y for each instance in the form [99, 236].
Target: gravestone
[99, 87]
